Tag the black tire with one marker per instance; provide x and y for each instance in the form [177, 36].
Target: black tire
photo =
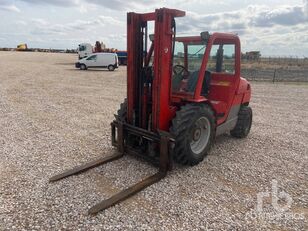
[184, 128]
[122, 112]
[83, 67]
[122, 116]
[111, 68]
[243, 125]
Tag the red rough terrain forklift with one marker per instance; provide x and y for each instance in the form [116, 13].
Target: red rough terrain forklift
[181, 93]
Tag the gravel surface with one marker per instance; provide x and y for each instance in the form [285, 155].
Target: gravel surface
[54, 117]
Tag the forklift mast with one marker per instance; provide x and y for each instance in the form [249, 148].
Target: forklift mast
[149, 89]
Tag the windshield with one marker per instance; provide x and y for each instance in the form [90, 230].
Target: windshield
[186, 65]
[82, 48]
[93, 57]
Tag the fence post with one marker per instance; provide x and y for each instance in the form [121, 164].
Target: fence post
[274, 77]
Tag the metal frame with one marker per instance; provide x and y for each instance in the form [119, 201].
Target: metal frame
[123, 130]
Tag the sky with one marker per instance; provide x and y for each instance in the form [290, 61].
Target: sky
[275, 27]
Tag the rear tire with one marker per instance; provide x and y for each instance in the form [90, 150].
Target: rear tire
[122, 116]
[83, 67]
[122, 112]
[194, 130]
[243, 125]
[111, 68]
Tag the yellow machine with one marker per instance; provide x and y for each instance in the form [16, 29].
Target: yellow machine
[22, 47]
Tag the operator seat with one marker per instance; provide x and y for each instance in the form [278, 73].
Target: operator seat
[176, 82]
[193, 79]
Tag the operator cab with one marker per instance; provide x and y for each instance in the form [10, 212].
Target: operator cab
[187, 61]
[188, 57]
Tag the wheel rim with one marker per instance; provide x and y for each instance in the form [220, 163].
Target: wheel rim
[200, 135]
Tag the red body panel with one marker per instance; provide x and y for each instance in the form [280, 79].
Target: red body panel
[226, 90]
[162, 71]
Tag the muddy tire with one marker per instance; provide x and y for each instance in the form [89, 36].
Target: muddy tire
[194, 130]
[243, 125]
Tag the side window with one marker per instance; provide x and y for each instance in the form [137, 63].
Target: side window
[82, 48]
[93, 57]
[222, 59]
[211, 64]
[229, 58]
[178, 58]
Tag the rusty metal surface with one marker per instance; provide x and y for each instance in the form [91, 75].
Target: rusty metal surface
[85, 167]
[164, 153]
[126, 193]
[163, 138]
[137, 131]
[120, 137]
[164, 166]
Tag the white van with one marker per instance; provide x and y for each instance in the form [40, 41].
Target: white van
[99, 60]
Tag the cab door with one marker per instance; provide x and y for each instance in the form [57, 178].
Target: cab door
[91, 61]
[224, 66]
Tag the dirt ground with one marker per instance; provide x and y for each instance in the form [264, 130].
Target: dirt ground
[54, 117]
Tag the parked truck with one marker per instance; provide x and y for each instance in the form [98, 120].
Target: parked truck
[122, 55]
[84, 50]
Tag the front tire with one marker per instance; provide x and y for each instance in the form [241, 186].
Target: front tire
[83, 67]
[111, 68]
[194, 130]
[243, 125]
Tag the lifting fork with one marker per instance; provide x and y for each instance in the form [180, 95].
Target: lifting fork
[164, 165]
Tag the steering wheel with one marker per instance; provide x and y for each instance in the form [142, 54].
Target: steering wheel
[179, 70]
